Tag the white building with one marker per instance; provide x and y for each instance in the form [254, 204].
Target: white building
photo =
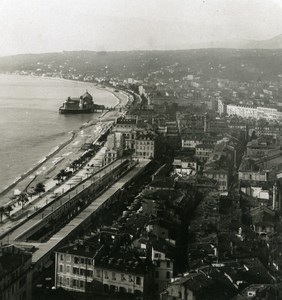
[253, 112]
[242, 111]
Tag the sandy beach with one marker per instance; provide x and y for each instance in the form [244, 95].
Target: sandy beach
[60, 157]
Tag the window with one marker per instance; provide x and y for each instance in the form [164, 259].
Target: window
[138, 280]
[68, 258]
[106, 275]
[89, 273]
[168, 264]
[68, 281]
[74, 282]
[61, 268]
[81, 284]
[62, 257]
[122, 277]
[75, 271]
[158, 263]
[168, 275]
[68, 269]
[98, 273]
[82, 272]
[76, 260]
[82, 261]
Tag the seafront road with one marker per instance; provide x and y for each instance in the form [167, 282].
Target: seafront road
[45, 174]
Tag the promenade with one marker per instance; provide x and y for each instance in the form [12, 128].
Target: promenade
[61, 159]
[42, 253]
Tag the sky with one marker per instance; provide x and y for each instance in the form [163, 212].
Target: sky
[36, 26]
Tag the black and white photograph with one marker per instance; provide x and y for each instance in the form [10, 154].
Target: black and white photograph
[141, 150]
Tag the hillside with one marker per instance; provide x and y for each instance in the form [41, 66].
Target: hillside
[273, 43]
[233, 64]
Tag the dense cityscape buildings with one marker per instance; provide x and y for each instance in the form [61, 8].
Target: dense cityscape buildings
[181, 197]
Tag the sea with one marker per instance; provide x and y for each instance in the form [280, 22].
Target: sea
[30, 125]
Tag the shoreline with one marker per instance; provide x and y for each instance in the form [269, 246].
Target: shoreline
[90, 122]
[38, 165]
[92, 84]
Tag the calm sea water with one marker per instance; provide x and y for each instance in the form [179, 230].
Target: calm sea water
[30, 125]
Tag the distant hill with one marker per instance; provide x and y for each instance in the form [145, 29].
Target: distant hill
[233, 64]
[273, 43]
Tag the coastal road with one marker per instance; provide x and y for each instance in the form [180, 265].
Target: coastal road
[50, 184]
[88, 132]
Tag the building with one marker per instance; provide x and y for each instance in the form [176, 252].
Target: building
[252, 112]
[147, 145]
[189, 287]
[172, 134]
[125, 273]
[249, 171]
[102, 264]
[75, 265]
[114, 147]
[269, 113]
[83, 104]
[220, 175]
[221, 107]
[169, 205]
[242, 110]
[262, 147]
[190, 142]
[15, 273]
[203, 151]
[163, 260]
[184, 166]
[127, 126]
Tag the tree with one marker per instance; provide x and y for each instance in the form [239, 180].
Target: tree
[22, 199]
[58, 178]
[39, 188]
[2, 212]
[8, 210]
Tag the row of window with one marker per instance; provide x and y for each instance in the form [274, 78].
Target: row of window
[75, 270]
[82, 272]
[107, 275]
[138, 280]
[217, 175]
[145, 142]
[145, 154]
[158, 264]
[157, 275]
[74, 283]
[144, 147]
[199, 152]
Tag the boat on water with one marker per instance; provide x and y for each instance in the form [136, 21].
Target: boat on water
[83, 104]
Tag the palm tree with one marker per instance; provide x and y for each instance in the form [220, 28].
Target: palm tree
[22, 199]
[58, 178]
[39, 188]
[8, 210]
[2, 212]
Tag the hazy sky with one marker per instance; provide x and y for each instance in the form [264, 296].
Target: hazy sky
[29, 26]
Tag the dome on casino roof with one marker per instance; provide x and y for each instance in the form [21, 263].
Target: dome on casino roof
[86, 95]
